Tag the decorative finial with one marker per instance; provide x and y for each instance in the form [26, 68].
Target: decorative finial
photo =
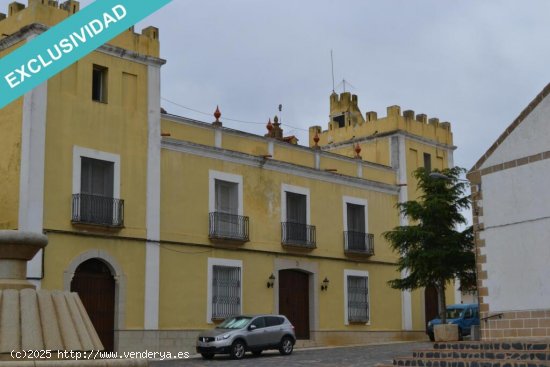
[316, 140]
[217, 115]
[276, 120]
[357, 151]
[269, 125]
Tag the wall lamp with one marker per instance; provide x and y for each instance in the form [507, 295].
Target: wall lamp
[271, 281]
[324, 286]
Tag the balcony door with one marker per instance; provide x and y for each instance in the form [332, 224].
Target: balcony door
[96, 191]
[296, 217]
[356, 227]
[227, 209]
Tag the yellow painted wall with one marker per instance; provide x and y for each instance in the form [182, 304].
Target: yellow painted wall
[185, 185]
[10, 157]
[252, 146]
[184, 297]
[182, 131]
[376, 151]
[63, 249]
[107, 127]
[288, 153]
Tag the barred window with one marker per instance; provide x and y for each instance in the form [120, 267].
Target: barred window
[226, 291]
[358, 299]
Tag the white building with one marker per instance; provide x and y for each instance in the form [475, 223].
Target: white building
[511, 194]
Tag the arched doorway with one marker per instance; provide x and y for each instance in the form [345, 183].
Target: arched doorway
[95, 285]
[294, 300]
[430, 302]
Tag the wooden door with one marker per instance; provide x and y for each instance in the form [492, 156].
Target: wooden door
[430, 304]
[294, 300]
[95, 285]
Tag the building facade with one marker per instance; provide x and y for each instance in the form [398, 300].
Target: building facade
[512, 227]
[165, 225]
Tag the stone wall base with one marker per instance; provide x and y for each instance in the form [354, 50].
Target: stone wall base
[175, 341]
[342, 338]
[531, 324]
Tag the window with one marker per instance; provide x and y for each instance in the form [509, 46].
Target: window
[274, 321]
[356, 297]
[356, 238]
[295, 217]
[96, 188]
[296, 208]
[226, 220]
[259, 322]
[96, 177]
[99, 83]
[224, 288]
[226, 291]
[340, 120]
[428, 162]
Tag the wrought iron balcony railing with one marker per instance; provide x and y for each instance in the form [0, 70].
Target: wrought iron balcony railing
[98, 210]
[224, 226]
[359, 243]
[298, 234]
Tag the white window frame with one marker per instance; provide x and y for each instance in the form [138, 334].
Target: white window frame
[356, 201]
[355, 273]
[228, 177]
[79, 152]
[295, 190]
[220, 262]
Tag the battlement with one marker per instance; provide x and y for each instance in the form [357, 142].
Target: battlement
[52, 12]
[347, 123]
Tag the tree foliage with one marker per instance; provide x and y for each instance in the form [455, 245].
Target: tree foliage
[432, 252]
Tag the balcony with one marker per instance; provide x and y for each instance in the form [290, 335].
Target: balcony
[359, 243]
[98, 210]
[298, 235]
[228, 227]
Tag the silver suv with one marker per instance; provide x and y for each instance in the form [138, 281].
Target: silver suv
[237, 335]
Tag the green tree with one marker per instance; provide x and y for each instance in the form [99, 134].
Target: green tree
[431, 249]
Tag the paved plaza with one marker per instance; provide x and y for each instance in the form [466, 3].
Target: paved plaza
[342, 356]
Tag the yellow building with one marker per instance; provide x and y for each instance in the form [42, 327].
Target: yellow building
[165, 225]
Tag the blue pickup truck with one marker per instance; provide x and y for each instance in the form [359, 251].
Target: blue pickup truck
[463, 315]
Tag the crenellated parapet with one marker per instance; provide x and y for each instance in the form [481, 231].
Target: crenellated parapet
[347, 124]
[52, 12]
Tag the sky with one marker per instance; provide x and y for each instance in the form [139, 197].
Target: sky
[476, 64]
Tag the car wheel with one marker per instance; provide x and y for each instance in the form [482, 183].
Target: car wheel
[207, 355]
[431, 336]
[287, 345]
[238, 350]
[257, 353]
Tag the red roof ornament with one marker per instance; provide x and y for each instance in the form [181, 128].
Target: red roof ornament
[217, 115]
[269, 125]
[357, 151]
[316, 139]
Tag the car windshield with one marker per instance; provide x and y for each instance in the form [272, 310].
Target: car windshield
[234, 323]
[454, 313]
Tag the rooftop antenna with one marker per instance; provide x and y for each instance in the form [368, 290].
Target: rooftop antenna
[281, 113]
[344, 82]
[332, 64]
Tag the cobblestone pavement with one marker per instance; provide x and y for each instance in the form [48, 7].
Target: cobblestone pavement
[348, 356]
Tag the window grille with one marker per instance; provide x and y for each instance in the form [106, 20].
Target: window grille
[226, 291]
[358, 299]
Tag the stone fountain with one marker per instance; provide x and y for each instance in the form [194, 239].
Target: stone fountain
[46, 322]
